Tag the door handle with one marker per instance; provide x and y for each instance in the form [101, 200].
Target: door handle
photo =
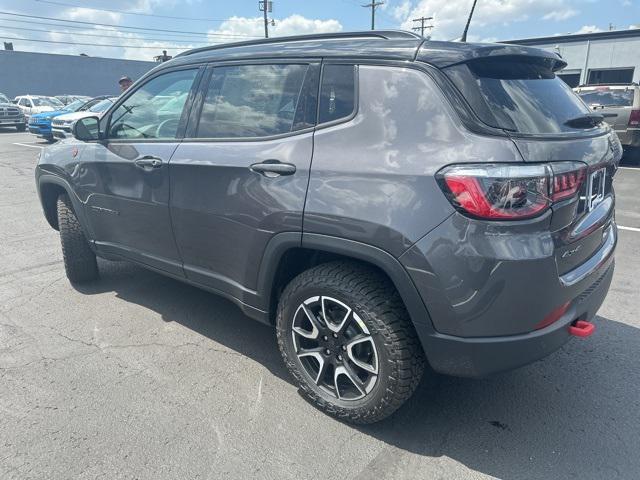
[148, 162]
[273, 168]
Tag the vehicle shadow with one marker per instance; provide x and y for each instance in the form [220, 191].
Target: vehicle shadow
[575, 414]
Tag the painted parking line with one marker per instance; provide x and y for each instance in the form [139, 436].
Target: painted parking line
[637, 169]
[30, 146]
[631, 229]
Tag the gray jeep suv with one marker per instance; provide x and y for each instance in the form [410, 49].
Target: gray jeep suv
[384, 201]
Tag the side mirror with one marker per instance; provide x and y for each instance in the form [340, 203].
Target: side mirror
[86, 129]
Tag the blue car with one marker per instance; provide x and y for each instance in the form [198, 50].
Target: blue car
[40, 123]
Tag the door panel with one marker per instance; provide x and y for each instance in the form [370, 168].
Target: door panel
[224, 213]
[128, 205]
[224, 206]
[126, 176]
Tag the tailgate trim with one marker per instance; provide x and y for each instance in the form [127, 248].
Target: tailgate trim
[595, 262]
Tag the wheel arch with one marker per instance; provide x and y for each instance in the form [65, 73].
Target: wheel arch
[287, 250]
[50, 187]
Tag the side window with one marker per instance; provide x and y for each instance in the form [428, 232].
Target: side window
[22, 102]
[154, 109]
[253, 101]
[337, 92]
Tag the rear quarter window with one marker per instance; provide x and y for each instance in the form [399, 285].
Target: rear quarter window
[337, 93]
[518, 94]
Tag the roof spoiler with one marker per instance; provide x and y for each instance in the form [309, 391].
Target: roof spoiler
[445, 54]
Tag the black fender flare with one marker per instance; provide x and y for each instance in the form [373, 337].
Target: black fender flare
[381, 259]
[78, 205]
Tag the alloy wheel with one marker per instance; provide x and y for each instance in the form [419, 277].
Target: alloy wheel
[335, 348]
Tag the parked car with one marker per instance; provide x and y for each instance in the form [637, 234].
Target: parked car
[30, 104]
[40, 123]
[382, 200]
[10, 115]
[67, 99]
[620, 105]
[61, 125]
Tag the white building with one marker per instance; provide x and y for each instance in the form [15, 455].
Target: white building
[594, 58]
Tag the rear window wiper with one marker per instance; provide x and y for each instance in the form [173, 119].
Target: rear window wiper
[588, 120]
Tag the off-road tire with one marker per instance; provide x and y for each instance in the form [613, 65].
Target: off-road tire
[375, 300]
[79, 260]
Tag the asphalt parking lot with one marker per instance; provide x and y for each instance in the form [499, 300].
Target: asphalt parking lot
[138, 376]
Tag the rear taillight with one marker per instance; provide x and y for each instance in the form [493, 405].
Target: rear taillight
[634, 118]
[510, 192]
[567, 179]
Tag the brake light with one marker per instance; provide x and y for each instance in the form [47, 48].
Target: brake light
[510, 192]
[634, 118]
[567, 179]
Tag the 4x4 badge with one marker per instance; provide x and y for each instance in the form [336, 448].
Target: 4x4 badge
[568, 253]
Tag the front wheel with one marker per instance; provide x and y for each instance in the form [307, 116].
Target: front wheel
[21, 127]
[79, 260]
[347, 339]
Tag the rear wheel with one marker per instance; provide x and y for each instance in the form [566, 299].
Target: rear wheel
[79, 260]
[346, 337]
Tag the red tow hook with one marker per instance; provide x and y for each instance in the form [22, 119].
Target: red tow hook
[582, 328]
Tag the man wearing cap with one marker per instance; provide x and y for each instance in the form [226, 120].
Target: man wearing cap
[125, 82]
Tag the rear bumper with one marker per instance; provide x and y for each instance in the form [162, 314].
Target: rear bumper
[629, 137]
[479, 357]
[490, 292]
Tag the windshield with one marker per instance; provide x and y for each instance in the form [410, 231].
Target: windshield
[101, 106]
[4, 99]
[607, 97]
[46, 102]
[518, 94]
[74, 106]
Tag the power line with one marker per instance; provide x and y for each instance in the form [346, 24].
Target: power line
[172, 17]
[124, 26]
[373, 6]
[422, 26]
[91, 44]
[84, 28]
[92, 35]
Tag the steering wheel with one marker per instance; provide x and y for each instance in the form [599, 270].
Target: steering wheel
[171, 123]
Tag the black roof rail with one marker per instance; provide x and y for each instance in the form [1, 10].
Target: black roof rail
[380, 34]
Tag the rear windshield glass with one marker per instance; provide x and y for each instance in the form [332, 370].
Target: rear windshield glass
[608, 98]
[521, 95]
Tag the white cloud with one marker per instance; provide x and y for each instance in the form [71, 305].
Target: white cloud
[292, 25]
[559, 15]
[589, 29]
[88, 15]
[451, 15]
[402, 11]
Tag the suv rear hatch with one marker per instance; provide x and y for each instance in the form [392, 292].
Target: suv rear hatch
[616, 103]
[521, 96]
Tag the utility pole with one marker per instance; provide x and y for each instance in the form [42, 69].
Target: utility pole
[266, 7]
[422, 25]
[466, 27]
[373, 6]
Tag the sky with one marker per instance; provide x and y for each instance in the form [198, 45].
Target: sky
[176, 25]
